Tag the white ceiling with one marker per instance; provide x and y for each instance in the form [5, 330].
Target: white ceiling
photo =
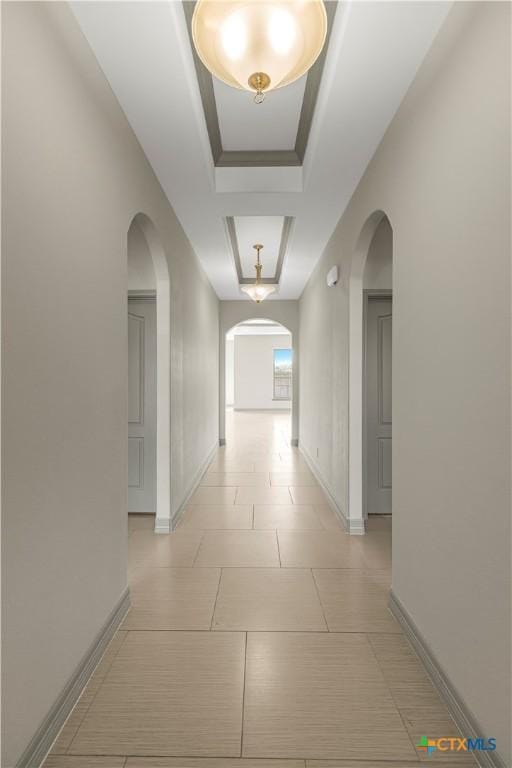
[266, 230]
[248, 126]
[374, 53]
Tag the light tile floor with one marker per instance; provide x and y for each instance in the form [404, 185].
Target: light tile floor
[259, 634]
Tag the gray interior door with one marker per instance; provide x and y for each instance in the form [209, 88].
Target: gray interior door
[378, 386]
[142, 405]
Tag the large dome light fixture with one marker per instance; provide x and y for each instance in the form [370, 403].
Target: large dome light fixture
[259, 45]
[258, 291]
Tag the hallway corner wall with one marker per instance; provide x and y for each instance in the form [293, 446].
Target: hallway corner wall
[442, 176]
[74, 176]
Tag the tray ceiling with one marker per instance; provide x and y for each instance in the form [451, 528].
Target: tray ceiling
[270, 231]
[272, 125]
[275, 132]
[373, 55]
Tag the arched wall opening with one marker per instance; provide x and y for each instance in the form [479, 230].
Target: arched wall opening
[285, 313]
[370, 278]
[148, 277]
[259, 369]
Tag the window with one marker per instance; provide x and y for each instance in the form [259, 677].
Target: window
[282, 374]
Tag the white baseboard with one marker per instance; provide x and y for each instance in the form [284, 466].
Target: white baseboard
[191, 490]
[460, 713]
[162, 525]
[355, 527]
[49, 729]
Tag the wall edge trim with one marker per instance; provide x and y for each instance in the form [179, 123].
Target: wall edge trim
[44, 737]
[338, 511]
[176, 517]
[459, 711]
[162, 525]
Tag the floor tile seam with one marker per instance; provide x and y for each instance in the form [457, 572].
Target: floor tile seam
[363, 761]
[320, 599]
[206, 530]
[198, 549]
[206, 758]
[243, 699]
[393, 762]
[99, 686]
[284, 530]
[291, 567]
[103, 754]
[239, 631]
[278, 550]
[216, 598]
[388, 686]
[181, 567]
[285, 567]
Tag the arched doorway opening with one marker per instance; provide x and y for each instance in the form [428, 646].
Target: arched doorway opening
[370, 373]
[149, 384]
[259, 375]
[285, 313]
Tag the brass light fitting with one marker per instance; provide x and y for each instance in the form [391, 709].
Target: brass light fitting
[258, 291]
[259, 46]
[259, 82]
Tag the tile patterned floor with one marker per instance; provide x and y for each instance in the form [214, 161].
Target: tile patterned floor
[259, 634]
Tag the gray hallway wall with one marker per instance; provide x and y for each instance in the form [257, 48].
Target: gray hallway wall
[442, 175]
[74, 176]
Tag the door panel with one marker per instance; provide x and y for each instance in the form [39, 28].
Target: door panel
[141, 405]
[135, 462]
[384, 367]
[378, 406]
[384, 462]
[136, 329]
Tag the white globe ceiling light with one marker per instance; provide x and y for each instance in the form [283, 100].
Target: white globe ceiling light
[259, 45]
[258, 291]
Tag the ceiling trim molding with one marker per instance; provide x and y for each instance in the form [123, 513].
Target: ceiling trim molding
[256, 158]
[313, 86]
[283, 246]
[205, 83]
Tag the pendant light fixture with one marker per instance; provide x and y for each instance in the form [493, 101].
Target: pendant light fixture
[258, 291]
[259, 45]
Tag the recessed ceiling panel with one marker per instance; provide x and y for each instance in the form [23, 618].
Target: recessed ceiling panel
[272, 134]
[266, 230]
[373, 55]
[246, 126]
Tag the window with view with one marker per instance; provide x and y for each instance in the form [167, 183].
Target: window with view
[282, 374]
